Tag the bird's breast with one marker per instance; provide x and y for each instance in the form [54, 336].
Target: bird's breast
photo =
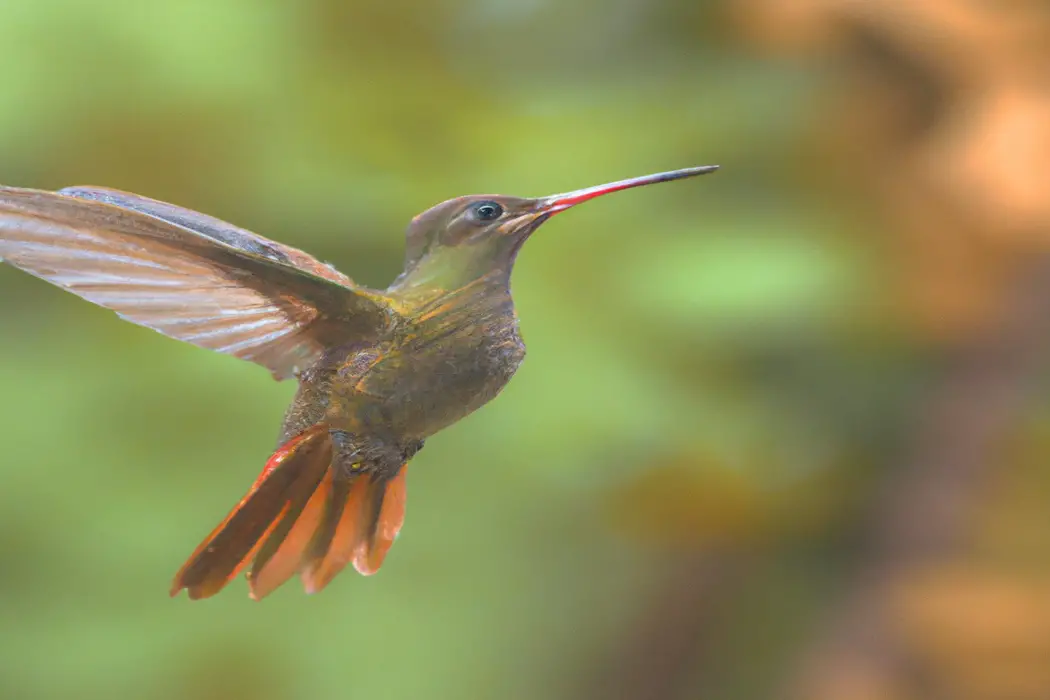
[435, 371]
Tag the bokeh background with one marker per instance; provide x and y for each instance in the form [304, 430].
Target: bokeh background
[783, 431]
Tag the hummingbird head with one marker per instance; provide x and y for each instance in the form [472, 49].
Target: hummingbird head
[462, 239]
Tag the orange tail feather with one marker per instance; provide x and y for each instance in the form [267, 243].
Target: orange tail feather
[368, 521]
[300, 515]
[231, 545]
[269, 572]
[389, 502]
[333, 545]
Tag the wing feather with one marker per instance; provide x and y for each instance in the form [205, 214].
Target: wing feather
[212, 227]
[189, 284]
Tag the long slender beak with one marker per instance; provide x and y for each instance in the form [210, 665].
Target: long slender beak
[560, 202]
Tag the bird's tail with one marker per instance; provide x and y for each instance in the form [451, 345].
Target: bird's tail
[303, 515]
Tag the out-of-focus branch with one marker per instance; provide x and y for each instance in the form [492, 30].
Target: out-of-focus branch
[925, 514]
[943, 116]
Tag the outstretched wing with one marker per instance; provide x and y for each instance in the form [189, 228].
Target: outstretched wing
[189, 276]
[239, 238]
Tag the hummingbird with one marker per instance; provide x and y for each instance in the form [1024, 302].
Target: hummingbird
[379, 371]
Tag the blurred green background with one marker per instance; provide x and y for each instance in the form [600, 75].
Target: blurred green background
[782, 431]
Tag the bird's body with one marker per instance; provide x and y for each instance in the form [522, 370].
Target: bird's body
[438, 362]
[379, 371]
[444, 359]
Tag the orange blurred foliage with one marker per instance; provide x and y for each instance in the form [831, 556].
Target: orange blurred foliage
[943, 108]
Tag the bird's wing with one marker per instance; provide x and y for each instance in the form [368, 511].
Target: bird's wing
[189, 276]
[209, 226]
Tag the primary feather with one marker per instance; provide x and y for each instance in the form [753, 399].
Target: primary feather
[186, 275]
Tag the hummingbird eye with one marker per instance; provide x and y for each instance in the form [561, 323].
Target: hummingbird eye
[487, 211]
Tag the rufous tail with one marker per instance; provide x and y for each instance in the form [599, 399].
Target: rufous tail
[301, 515]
